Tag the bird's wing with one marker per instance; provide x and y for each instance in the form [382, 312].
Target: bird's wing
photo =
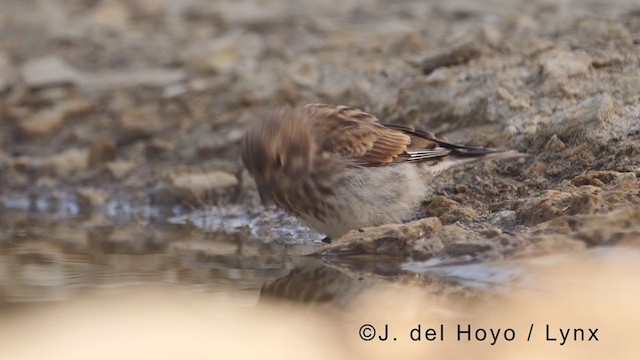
[359, 136]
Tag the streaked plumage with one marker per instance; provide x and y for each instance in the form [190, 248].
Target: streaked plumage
[337, 168]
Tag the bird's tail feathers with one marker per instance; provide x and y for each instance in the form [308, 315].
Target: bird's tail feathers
[468, 155]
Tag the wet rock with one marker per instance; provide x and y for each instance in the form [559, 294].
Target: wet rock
[449, 211]
[451, 56]
[46, 121]
[428, 248]
[551, 244]
[91, 197]
[118, 169]
[609, 228]
[395, 240]
[472, 248]
[197, 187]
[47, 71]
[102, 151]
[463, 243]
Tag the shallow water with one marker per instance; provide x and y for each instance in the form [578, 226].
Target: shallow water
[54, 251]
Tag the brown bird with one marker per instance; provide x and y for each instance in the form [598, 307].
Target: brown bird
[337, 168]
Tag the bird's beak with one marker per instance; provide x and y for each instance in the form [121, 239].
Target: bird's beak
[265, 195]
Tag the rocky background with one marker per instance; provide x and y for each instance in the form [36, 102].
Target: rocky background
[108, 106]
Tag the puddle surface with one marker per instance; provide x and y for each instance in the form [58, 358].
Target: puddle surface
[53, 251]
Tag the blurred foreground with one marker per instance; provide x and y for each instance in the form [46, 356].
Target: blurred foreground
[593, 290]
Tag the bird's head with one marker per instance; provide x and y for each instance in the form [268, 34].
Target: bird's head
[278, 150]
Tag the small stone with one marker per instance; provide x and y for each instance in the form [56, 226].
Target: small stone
[234, 52]
[111, 14]
[503, 93]
[449, 211]
[102, 151]
[523, 23]
[563, 64]
[219, 55]
[175, 91]
[69, 161]
[47, 71]
[61, 164]
[46, 121]
[118, 169]
[451, 56]
[514, 102]
[140, 123]
[158, 147]
[304, 72]
[190, 187]
[440, 76]
[491, 36]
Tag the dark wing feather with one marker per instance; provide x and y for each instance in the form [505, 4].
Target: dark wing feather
[359, 136]
[441, 141]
